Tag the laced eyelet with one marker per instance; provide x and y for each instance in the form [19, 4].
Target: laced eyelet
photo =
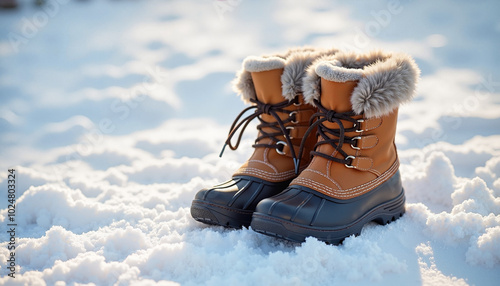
[281, 151]
[355, 147]
[347, 158]
[290, 128]
[294, 121]
[358, 125]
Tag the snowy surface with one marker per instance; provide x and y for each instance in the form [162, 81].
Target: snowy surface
[113, 114]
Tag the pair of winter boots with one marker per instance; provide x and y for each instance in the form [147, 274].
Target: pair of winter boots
[325, 162]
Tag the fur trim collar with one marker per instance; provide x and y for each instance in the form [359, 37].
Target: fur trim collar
[258, 64]
[294, 63]
[386, 80]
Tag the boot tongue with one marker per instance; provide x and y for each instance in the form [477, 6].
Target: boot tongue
[336, 96]
[268, 90]
[268, 86]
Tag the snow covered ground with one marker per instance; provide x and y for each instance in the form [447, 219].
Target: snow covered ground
[113, 113]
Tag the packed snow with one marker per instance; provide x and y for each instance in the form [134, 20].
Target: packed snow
[113, 113]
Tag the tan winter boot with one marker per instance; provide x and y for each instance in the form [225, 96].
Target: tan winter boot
[273, 84]
[353, 177]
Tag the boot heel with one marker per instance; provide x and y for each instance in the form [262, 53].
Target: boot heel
[391, 211]
[220, 215]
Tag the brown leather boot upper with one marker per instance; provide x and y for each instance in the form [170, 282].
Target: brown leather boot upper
[277, 164]
[371, 151]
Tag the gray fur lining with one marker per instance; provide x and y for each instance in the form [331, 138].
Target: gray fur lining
[386, 80]
[294, 63]
[259, 64]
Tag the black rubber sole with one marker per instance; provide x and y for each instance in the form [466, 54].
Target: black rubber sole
[214, 214]
[285, 229]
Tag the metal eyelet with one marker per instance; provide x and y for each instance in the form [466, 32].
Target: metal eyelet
[291, 114]
[358, 124]
[290, 128]
[281, 151]
[355, 147]
[347, 158]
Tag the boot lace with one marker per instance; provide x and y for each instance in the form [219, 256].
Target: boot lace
[335, 137]
[278, 126]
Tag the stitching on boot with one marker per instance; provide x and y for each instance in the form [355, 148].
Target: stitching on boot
[360, 163]
[359, 190]
[265, 163]
[371, 123]
[351, 192]
[265, 175]
[375, 172]
[323, 175]
[367, 139]
[313, 185]
[266, 152]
